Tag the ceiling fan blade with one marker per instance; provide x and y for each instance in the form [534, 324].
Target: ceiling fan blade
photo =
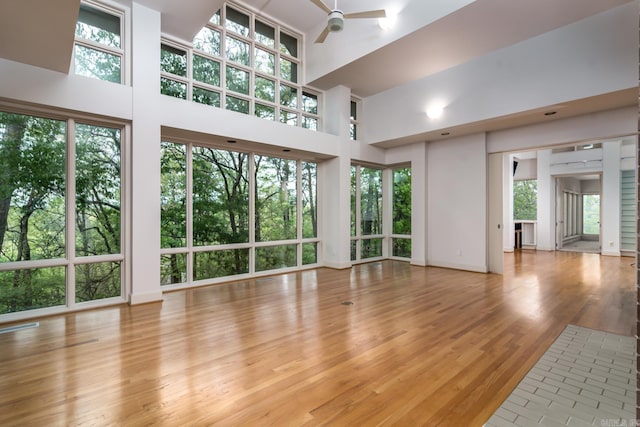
[322, 6]
[323, 35]
[368, 14]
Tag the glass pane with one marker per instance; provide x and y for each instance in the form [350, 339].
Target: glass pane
[206, 70]
[220, 197]
[204, 96]
[208, 40]
[354, 187]
[309, 103]
[173, 60]
[215, 19]
[237, 22]
[32, 188]
[309, 123]
[97, 190]
[353, 134]
[354, 111]
[288, 96]
[354, 247]
[288, 45]
[98, 281]
[402, 248]
[402, 201]
[265, 112]
[525, 199]
[173, 195]
[265, 62]
[237, 51]
[591, 214]
[97, 64]
[265, 34]
[237, 80]
[265, 89]
[98, 26]
[237, 104]
[309, 253]
[371, 201]
[309, 200]
[371, 248]
[37, 288]
[173, 88]
[273, 257]
[173, 269]
[288, 70]
[276, 194]
[209, 265]
[289, 117]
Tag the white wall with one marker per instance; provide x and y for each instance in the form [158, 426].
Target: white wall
[457, 203]
[610, 199]
[527, 169]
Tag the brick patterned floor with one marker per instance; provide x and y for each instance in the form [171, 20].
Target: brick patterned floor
[586, 378]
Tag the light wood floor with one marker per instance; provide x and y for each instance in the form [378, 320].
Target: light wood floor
[418, 346]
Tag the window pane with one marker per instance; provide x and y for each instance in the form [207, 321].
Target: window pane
[265, 62]
[237, 80]
[208, 40]
[309, 123]
[289, 117]
[309, 103]
[276, 194]
[173, 269]
[237, 22]
[265, 112]
[353, 132]
[354, 110]
[98, 281]
[525, 199]
[402, 248]
[97, 190]
[173, 88]
[354, 247]
[288, 96]
[309, 253]
[173, 60]
[371, 201]
[204, 96]
[98, 26]
[237, 104]
[288, 70]
[38, 288]
[274, 257]
[237, 51]
[309, 200]
[591, 214]
[32, 188]
[220, 197]
[402, 201]
[265, 89]
[206, 70]
[371, 248]
[209, 265]
[354, 207]
[215, 19]
[95, 63]
[288, 45]
[173, 195]
[265, 34]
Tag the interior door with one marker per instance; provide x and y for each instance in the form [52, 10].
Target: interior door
[559, 215]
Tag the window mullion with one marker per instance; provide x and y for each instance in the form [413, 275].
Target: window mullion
[71, 214]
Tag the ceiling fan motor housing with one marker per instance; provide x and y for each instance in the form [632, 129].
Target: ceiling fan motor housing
[336, 21]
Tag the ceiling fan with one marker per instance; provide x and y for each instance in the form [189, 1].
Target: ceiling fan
[336, 17]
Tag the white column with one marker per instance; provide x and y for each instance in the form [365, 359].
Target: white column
[546, 202]
[145, 153]
[610, 199]
[419, 205]
[334, 177]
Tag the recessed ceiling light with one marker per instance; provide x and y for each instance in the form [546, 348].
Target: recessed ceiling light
[388, 22]
[550, 113]
[286, 150]
[231, 141]
[435, 111]
[445, 133]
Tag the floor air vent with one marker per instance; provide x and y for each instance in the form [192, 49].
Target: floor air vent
[19, 327]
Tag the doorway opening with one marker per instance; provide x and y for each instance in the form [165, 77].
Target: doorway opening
[578, 213]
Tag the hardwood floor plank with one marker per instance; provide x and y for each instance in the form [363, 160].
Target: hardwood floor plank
[418, 346]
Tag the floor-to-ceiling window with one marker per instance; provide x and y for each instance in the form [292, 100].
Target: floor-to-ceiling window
[61, 212]
[228, 213]
[401, 213]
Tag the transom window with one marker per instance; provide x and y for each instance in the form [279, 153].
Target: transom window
[98, 49]
[242, 63]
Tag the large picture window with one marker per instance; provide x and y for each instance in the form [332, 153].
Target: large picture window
[227, 213]
[60, 212]
[241, 62]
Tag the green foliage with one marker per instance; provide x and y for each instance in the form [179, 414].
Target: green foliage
[590, 214]
[402, 201]
[371, 200]
[525, 200]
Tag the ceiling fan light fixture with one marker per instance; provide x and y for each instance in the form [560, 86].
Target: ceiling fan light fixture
[336, 21]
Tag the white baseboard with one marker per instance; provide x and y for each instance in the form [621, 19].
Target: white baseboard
[135, 299]
[337, 265]
[465, 267]
[610, 253]
[418, 262]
